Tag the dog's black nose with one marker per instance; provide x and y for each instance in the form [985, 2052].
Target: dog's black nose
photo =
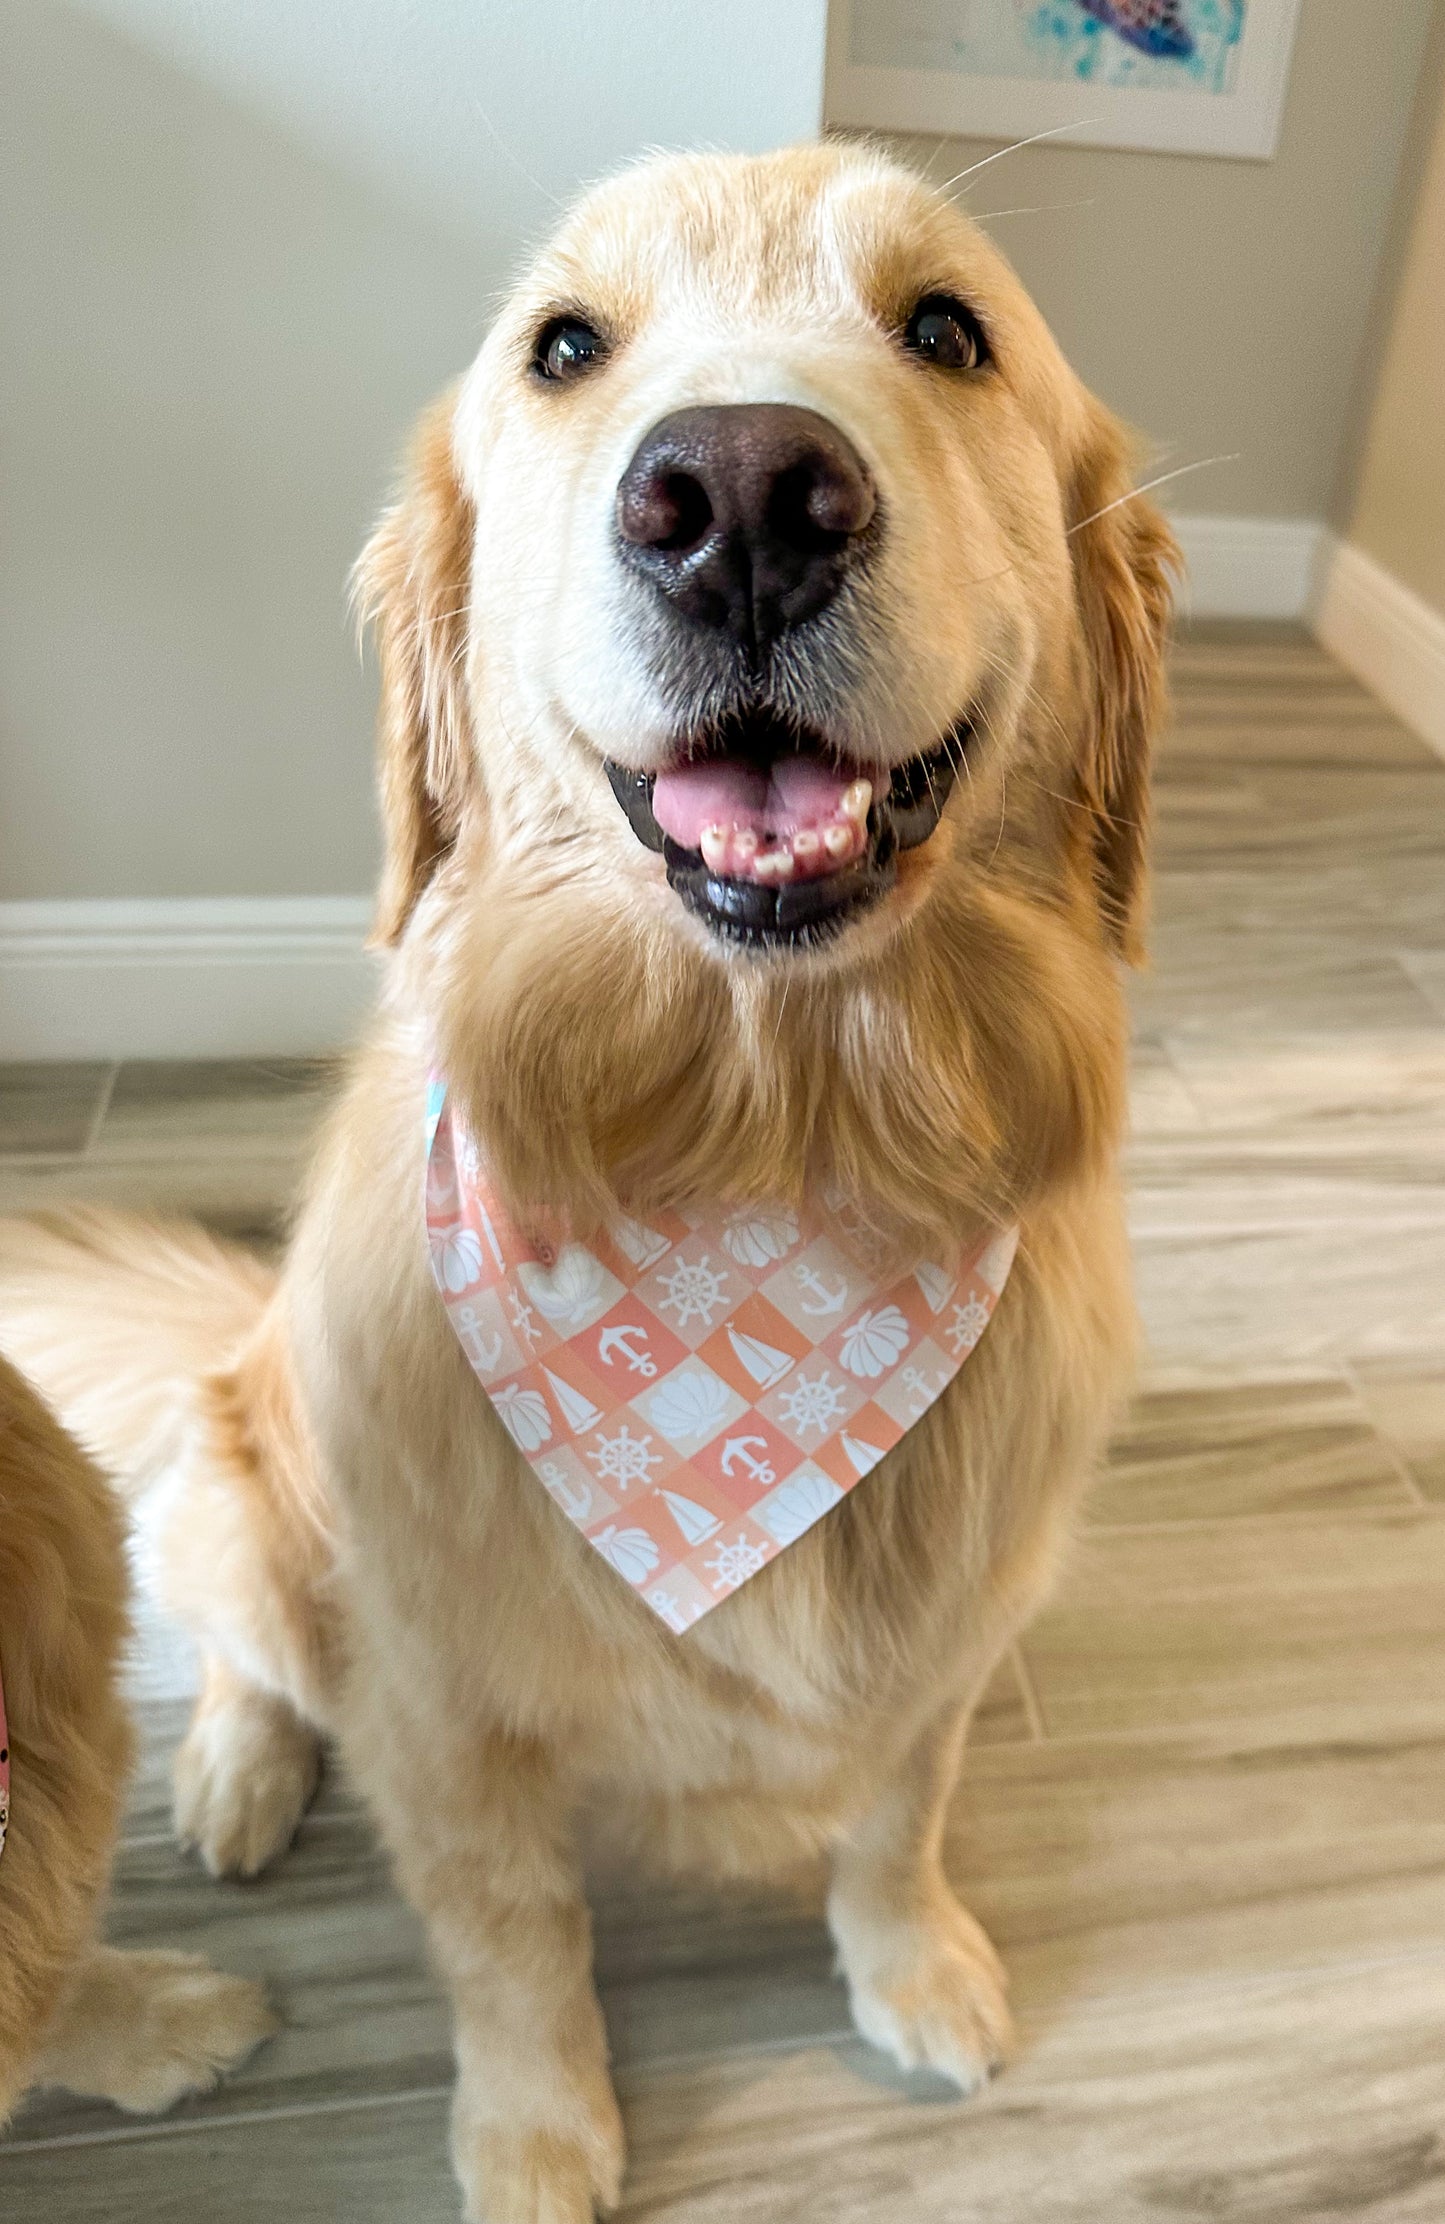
[746, 516]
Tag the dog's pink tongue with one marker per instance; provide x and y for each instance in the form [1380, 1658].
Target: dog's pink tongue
[797, 819]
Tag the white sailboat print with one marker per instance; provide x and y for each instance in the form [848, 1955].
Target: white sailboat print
[578, 1411]
[863, 1455]
[695, 1522]
[936, 1284]
[764, 1362]
[643, 1245]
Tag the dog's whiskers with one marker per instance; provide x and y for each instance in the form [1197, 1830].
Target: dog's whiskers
[1035, 208]
[1181, 471]
[1083, 123]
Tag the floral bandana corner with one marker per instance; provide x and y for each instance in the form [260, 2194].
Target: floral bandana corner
[695, 1394]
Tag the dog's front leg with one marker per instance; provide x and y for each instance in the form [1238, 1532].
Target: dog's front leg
[485, 1850]
[924, 1983]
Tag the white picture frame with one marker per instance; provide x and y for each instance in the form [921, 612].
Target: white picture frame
[1241, 120]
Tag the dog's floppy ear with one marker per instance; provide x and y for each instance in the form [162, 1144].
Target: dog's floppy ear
[411, 584]
[1124, 558]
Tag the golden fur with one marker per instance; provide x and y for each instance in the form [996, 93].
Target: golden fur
[392, 1573]
[138, 2029]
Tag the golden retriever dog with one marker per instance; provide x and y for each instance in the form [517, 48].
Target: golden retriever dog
[770, 651]
[138, 2029]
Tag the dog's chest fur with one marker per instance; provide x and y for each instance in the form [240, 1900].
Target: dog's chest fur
[463, 1573]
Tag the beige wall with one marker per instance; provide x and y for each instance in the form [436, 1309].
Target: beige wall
[1399, 510]
[1226, 306]
[241, 243]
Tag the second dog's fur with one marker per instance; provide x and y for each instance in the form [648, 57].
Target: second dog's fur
[136, 2028]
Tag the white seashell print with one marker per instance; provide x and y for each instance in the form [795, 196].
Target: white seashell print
[578, 1411]
[695, 1522]
[764, 1362]
[689, 1407]
[528, 1422]
[569, 1291]
[758, 1242]
[643, 1245]
[874, 1340]
[865, 1456]
[456, 1258]
[795, 1505]
[937, 1285]
[631, 1551]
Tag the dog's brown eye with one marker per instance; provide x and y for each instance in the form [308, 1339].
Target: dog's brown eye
[944, 332]
[566, 348]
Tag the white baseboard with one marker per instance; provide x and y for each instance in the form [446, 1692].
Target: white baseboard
[1250, 567]
[261, 976]
[1387, 637]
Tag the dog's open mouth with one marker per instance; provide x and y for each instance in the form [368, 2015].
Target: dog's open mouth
[769, 839]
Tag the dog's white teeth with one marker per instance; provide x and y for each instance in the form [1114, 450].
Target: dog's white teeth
[774, 864]
[745, 842]
[839, 841]
[855, 800]
[714, 847]
[805, 846]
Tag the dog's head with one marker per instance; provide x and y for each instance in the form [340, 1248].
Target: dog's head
[764, 608]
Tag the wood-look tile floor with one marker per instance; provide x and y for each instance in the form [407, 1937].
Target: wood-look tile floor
[1204, 1815]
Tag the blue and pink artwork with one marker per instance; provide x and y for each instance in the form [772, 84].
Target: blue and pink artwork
[1156, 27]
[1151, 45]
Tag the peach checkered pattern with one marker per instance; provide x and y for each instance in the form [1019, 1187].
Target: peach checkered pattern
[695, 1393]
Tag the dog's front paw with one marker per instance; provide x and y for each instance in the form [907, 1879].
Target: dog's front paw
[926, 1988]
[195, 2023]
[141, 2029]
[512, 2176]
[244, 1776]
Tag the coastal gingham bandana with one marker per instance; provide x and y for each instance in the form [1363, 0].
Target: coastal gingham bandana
[696, 1392]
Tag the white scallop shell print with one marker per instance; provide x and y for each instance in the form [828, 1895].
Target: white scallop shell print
[796, 1504]
[874, 1341]
[689, 1407]
[761, 1240]
[529, 1424]
[574, 1290]
[457, 1258]
[631, 1551]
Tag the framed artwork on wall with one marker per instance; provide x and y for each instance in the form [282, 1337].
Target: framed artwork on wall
[1172, 76]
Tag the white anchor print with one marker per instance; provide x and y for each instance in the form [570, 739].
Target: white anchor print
[575, 1499]
[829, 1301]
[483, 1352]
[615, 1339]
[736, 1448]
[924, 1391]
